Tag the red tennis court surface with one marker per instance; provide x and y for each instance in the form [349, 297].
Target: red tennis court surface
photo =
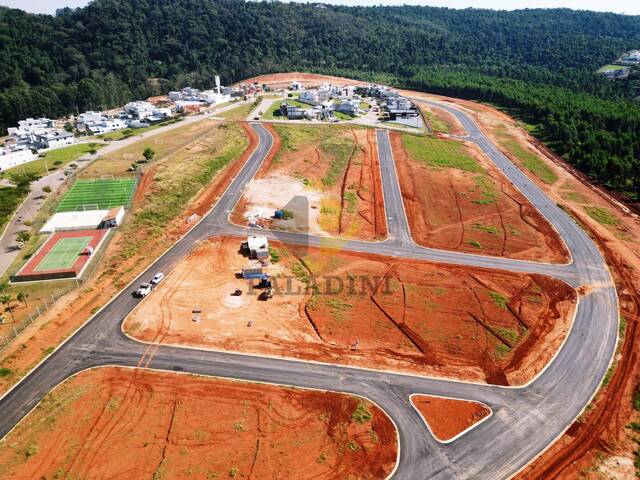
[42, 265]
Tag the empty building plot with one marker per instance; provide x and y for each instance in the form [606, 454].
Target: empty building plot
[98, 194]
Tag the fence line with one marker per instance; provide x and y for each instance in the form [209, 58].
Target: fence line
[46, 302]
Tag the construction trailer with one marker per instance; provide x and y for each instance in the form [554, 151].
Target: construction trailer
[252, 272]
[258, 247]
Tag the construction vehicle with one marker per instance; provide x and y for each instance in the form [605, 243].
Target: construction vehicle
[266, 294]
[236, 293]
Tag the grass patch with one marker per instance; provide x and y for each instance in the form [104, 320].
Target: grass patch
[274, 254]
[56, 159]
[508, 334]
[241, 112]
[602, 215]
[340, 149]
[12, 197]
[529, 160]
[437, 152]
[499, 299]
[177, 182]
[361, 414]
[351, 199]
[487, 190]
[437, 125]
[338, 304]
[5, 372]
[502, 349]
[343, 116]
[475, 243]
[573, 196]
[486, 228]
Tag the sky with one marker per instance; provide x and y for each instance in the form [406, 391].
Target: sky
[631, 7]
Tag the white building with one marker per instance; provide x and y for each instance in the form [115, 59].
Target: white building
[632, 57]
[13, 158]
[90, 118]
[310, 97]
[139, 110]
[107, 126]
[31, 126]
[258, 246]
[55, 139]
[349, 107]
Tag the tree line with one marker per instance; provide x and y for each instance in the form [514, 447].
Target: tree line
[540, 63]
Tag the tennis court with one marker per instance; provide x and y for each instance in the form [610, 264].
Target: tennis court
[64, 254]
[98, 194]
[61, 256]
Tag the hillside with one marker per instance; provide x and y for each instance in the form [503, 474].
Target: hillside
[539, 63]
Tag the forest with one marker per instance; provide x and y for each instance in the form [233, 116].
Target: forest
[538, 64]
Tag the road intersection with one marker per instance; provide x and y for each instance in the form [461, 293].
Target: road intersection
[525, 420]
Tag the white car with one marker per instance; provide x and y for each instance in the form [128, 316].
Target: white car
[157, 278]
[144, 290]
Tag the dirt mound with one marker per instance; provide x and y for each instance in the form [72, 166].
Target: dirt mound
[449, 417]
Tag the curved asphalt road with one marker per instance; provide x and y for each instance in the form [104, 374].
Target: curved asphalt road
[524, 421]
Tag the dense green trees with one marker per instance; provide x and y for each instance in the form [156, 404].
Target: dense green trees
[539, 63]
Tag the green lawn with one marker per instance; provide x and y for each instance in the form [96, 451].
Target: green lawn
[610, 67]
[130, 132]
[64, 254]
[64, 155]
[101, 194]
[343, 116]
[437, 152]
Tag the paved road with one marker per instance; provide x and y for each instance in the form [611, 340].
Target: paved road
[31, 205]
[524, 421]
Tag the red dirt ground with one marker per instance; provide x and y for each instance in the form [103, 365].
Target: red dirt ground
[307, 79]
[28, 271]
[447, 417]
[123, 423]
[444, 213]
[330, 213]
[71, 310]
[450, 122]
[411, 316]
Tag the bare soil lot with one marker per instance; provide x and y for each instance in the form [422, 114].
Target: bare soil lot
[363, 310]
[123, 423]
[457, 200]
[448, 417]
[327, 179]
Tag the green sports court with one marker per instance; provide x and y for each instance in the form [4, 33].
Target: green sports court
[98, 194]
[64, 254]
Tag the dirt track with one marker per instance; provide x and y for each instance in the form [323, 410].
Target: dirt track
[123, 423]
[411, 316]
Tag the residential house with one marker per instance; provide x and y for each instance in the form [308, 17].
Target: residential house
[13, 158]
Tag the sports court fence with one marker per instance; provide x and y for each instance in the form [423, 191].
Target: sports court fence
[38, 306]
